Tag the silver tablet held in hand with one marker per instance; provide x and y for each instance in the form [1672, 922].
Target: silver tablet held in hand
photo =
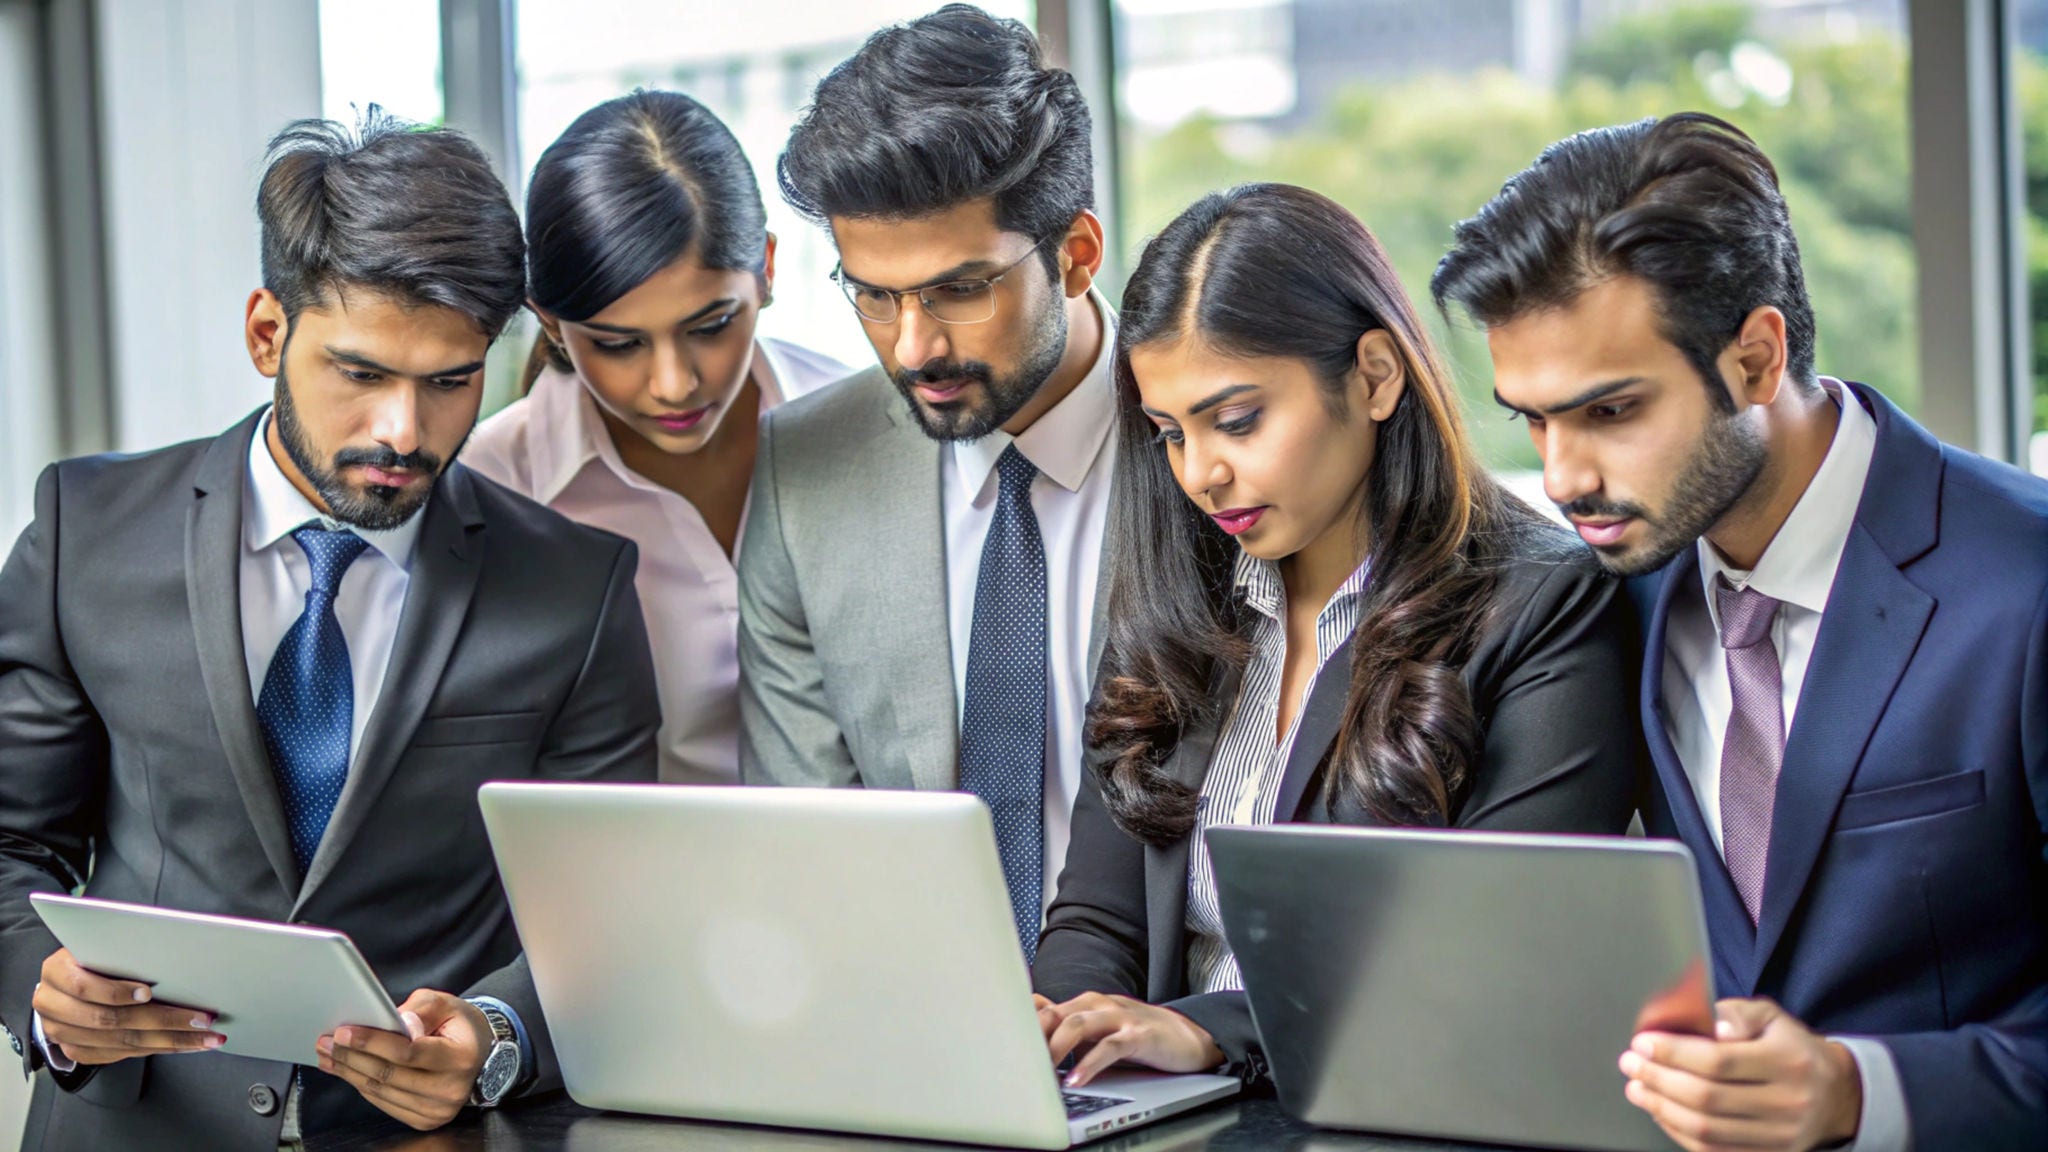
[274, 989]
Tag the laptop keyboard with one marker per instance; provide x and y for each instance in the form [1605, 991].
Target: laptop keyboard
[1081, 1104]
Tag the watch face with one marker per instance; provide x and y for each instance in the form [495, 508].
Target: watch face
[499, 1069]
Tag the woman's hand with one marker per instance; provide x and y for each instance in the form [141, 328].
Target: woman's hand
[1107, 1029]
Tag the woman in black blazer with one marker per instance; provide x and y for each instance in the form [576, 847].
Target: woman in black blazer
[1297, 500]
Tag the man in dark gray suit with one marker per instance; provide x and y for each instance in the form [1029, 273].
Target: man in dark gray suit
[263, 676]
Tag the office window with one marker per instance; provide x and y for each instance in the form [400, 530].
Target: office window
[1412, 112]
[385, 52]
[755, 66]
[2029, 30]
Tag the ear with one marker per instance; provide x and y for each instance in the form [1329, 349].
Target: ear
[768, 273]
[265, 330]
[1080, 253]
[1755, 361]
[1378, 376]
[550, 325]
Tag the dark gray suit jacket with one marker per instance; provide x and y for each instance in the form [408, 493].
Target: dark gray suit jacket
[131, 759]
[1553, 682]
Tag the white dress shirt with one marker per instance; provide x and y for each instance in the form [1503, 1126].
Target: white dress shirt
[1797, 569]
[553, 447]
[1242, 784]
[1075, 455]
[276, 575]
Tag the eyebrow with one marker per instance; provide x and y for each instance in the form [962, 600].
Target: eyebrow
[699, 314]
[358, 360]
[965, 270]
[1592, 395]
[1207, 402]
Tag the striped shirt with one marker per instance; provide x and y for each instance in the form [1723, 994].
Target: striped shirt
[1243, 781]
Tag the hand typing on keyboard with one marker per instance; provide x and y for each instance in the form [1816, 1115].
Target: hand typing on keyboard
[1105, 1029]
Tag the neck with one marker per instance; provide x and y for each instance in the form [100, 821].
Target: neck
[1084, 344]
[1798, 427]
[274, 443]
[1313, 575]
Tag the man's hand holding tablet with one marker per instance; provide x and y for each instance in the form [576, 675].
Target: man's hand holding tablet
[424, 1077]
[94, 1019]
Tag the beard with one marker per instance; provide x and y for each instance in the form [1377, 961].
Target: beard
[375, 507]
[1720, 471]
[999, 397]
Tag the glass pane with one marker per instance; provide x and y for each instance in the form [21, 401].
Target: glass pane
[386, 52]
[1412, 112]
[2030, 92]
[754, 65]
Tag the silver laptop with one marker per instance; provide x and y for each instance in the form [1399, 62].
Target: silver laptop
[835, 959]
[1475, 986]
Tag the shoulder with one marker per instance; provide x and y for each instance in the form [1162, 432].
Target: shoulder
[1989, 504]
[501, 449]
[118, 484]
[823, 427]
[525, 528]
[1549, 588]
[800, 370]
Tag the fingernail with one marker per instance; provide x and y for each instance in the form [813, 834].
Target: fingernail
[341, 1038]
[141, 994]
[201, 1022]
[324, 1045]
[1643, 1045]
[215, 1040]
[1631, 1063]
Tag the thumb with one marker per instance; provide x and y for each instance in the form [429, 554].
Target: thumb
[1743, 1019]
[426, 1012]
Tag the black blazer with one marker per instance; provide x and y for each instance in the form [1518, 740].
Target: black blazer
[131, 759]
[1554, 686]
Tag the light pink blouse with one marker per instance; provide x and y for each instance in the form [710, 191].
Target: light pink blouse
[553, 447]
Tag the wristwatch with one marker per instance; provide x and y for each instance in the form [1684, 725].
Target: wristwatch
[501, 1065]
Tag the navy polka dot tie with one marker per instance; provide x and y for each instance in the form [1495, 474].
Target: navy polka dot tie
[308, 703]
[1002, 734]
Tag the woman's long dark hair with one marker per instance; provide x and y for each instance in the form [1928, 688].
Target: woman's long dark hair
[1270, 270]
[630, 186]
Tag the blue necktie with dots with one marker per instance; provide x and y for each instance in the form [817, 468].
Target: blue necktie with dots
[1002, 733]
[308, 703]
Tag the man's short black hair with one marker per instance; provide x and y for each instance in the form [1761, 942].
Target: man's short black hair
[949, 108]
[414, 213]
[1687, 203]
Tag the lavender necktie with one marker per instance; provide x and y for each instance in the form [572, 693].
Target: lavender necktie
[1754, 748]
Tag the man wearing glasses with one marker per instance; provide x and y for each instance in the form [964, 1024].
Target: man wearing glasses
[919, 602]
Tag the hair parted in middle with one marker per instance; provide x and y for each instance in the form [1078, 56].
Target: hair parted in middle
[1272, 270]
[949, 108]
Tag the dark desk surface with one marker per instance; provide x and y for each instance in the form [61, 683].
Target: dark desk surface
[556, 1123]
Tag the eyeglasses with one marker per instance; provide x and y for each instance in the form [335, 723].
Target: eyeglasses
[954, 302]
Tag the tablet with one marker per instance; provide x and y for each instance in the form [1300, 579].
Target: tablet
[274, 989]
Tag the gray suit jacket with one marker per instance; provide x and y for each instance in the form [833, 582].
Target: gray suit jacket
[846, 660]
[131, 759]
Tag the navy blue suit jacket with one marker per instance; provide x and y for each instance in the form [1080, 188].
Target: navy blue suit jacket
[1906, 893]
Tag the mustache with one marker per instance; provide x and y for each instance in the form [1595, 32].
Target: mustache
[418, 460]
[1593, 507]
[941, 370]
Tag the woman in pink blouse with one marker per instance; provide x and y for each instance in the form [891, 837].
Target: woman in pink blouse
[648, 263]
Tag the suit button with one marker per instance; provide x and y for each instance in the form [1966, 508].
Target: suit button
[262, 1099]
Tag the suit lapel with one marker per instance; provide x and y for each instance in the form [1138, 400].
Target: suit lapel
[1724, 906]
[1873, 624]
[910, 614]
[1318, 730]
[213, 592]
[1166, 869]
[446, 563]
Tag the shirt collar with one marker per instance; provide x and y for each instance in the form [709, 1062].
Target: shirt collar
[1065, 441]
[1798, 565]
[1259, 582]
[272, 509]
[566, 432]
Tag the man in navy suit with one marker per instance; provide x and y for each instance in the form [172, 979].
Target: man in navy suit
[1845, 688]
